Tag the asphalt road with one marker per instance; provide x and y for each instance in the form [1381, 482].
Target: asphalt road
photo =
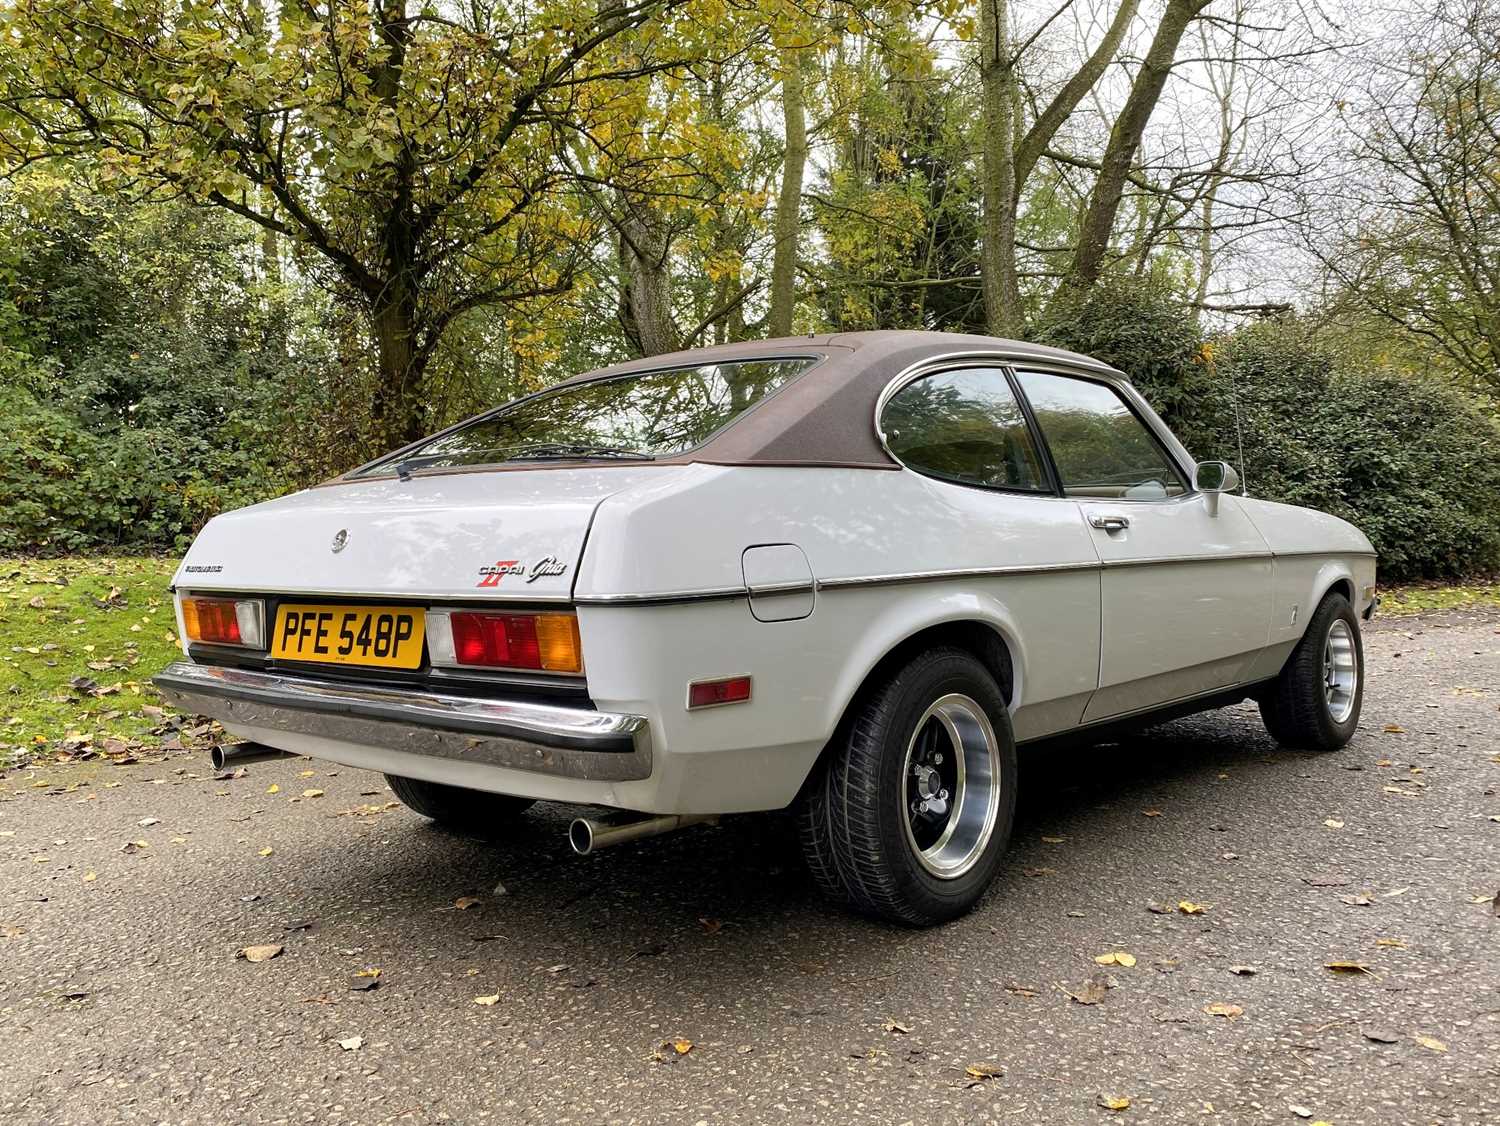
[121, 998]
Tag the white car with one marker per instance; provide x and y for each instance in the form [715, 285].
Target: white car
[850, 574]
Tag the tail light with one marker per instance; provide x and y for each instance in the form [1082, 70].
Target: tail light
[471, 639]
[225, 621]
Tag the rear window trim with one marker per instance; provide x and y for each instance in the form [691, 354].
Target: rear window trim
[358, 473]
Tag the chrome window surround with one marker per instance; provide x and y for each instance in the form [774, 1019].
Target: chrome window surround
[1181, 459]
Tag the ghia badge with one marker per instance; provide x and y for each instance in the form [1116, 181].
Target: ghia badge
[341, 538]
[541, 569]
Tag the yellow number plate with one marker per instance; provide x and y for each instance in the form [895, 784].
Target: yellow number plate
[386, 636]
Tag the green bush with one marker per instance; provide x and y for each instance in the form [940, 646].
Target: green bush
[150, 374]
[1411, 462]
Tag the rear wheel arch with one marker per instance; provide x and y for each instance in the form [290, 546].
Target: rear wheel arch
[984, 640]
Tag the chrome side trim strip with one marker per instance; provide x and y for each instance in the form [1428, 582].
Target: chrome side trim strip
[898, 578]
[959, 573]
[546, 738]
[1314, 551]
[707, 594]
[1166, 560]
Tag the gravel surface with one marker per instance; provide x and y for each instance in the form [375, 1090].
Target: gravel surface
[122, 1000]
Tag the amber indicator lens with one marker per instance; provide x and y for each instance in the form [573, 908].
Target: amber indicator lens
[707, 693]
[224, 621]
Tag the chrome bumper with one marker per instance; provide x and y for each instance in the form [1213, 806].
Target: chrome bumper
[542, 738]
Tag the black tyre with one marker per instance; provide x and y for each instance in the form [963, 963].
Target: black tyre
[911, 809]
[470, 811]
[1314, 703]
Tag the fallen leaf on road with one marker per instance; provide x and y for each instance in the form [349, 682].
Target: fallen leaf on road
[1394, 729]
[897, 1026]
[265, 852]
[1394, 893]
[711, 926]
[1150, 813]
[90, 877]
[1116, 958]
[147, 822]
[1159, 908]
[1348, 967]
[312, 793]
[10, 930]
[464, 902]
[1223, 1009]
[1053, 840]
[1332, 824]
[259, 953]
[984, 1071]
[352, 1043]
[306, 773]
[1090, 992]
[1113, 1102]
[273, 788]
[134, 846]
[1188, 907]
[1357, 900]
[1326, 880]
[1396, 943]
[1244, 971]
[1380, 1035]
[1431, 1043]
[1300, 1111]
[491, 999]
[365, 980]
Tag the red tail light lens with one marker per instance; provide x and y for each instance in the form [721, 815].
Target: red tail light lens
[548, 642]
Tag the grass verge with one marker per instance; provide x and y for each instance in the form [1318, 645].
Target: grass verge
[1403, 601]
[80, 638]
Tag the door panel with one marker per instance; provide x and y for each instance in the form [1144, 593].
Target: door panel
[1186, 600]
[1185, 596]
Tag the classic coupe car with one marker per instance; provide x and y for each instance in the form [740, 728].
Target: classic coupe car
[848, 574]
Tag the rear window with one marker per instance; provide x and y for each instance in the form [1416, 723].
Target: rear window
[637, 416]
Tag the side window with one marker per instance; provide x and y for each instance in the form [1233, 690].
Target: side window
[964, 425]
[1100, 447]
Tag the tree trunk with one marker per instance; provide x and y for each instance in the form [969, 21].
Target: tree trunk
[997, 249]
[789, 200]
[646, 281]
[395, 407]
[1124, 140]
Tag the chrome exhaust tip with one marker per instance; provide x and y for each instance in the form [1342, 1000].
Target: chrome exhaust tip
[242, 754]
[588, 835]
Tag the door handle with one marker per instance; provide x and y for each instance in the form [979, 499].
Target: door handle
[1110, 523]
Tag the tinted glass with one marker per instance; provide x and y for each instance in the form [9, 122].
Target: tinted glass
[653, 414]
[1101, 448]
[964, 426]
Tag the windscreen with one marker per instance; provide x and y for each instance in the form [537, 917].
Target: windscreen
[636, 416]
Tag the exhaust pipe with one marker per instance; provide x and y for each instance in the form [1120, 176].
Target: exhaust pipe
[588, 834]
[242, 754]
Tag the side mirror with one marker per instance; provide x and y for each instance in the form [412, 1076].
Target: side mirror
[1212, 478]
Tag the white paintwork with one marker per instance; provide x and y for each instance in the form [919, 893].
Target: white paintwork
[661, 561]
[429, 535]
[1213, 600]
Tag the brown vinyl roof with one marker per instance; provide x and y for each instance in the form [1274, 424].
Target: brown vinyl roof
[826, 416]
